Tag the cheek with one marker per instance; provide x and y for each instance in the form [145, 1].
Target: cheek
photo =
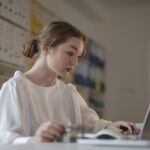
[58, 61]
[61, 61]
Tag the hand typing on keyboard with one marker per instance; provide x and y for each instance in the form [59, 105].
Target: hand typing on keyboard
[123, 127]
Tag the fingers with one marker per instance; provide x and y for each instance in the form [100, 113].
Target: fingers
[134, 127]
[129, 126]
[53, 131]
[123, 126]
[49, 131]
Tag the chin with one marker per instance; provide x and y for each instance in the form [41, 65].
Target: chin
[62, 75]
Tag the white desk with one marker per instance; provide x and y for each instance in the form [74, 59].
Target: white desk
[66, 146]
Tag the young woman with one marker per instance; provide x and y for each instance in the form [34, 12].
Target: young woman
[34, 105]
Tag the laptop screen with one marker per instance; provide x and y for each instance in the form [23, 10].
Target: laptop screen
[145, 133]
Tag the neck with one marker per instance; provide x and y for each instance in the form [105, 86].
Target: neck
[41, 75]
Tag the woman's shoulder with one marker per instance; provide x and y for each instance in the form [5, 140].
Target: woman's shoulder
[16, 79]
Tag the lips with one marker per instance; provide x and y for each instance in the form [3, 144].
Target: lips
[69, 69]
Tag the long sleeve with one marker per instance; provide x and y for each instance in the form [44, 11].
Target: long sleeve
[13, 126]
[87, 116]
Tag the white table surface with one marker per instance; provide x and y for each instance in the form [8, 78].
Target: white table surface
[67, 146]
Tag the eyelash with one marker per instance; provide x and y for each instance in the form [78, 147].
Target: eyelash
[70, 53]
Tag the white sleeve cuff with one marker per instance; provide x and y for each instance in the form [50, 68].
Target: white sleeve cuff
[21, 140]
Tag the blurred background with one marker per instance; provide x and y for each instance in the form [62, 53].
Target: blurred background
[114, 77]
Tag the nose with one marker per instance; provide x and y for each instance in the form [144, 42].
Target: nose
[74, 62]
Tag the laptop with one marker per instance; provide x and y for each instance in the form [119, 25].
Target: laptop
[143, 139]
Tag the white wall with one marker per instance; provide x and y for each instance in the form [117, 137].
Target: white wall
[127, 64]
[125, 34]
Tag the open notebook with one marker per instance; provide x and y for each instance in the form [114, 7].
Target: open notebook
[109, 137]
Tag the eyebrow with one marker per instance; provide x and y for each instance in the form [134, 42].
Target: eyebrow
[74, 47]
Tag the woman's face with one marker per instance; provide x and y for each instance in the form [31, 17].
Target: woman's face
[64, 58]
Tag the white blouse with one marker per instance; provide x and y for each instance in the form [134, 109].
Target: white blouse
[24, 106]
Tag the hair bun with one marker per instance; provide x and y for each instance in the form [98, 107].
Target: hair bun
[30, 48]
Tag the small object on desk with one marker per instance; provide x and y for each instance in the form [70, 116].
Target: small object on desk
[71, 133]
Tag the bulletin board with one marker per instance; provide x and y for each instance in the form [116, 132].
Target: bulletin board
[14, 30]
[14, 26]
[19, 21]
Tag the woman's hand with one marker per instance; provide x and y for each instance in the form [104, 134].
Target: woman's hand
[123, 126]
[47, 132]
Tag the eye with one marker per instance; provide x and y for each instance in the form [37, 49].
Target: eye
[79, 57]
[70, 53]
